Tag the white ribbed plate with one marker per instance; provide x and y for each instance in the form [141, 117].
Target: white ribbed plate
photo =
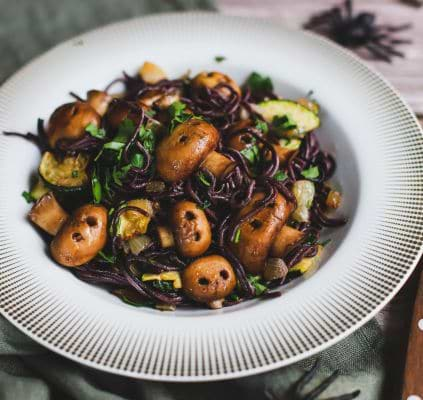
[373, 134]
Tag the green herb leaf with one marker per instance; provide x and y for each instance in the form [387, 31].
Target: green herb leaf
[202, 177]
[109, 258]
[28, 197]
[96, 187]
[233, 297]
[259, 83]
[178, 115]
[310, 173]
[237, 237]
[150, 113]
[75, 174]
[163, 286]
[148, 138]
[262, 126]
[219, 59]
[95, 131]
[137, 160]
[325, 242]
[252, 154]
[259, 287]
[119, 173]
[283, 123]
[206, 204]
[280, 176]
[125, 131]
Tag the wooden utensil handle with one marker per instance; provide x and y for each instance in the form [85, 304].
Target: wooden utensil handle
[413, 375]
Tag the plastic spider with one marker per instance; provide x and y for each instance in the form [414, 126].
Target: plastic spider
[297, 391]
[358, 30]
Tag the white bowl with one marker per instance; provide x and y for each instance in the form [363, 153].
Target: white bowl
[373, 134]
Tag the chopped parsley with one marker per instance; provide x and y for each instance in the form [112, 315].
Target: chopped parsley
[310, 173]
[96, 187]
[280, 176]
[206, 204]
[28, 197]
[237, 236]
[109, 258]
[163, 286]
[148, 138]
[178, 114]
[325, 242]
[202, 178]
[259, 287]
[262, 126]
[258, 83]
[95, 131]
[219, 59]
[252, 154]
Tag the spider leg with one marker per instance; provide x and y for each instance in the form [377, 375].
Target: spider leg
[348, 396]
[348, 8]
[322, 387]
[377, 53]
[306, 378]
[390, 50]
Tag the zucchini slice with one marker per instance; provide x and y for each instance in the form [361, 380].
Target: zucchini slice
[64, 174]
[304, 119]
[308, 264]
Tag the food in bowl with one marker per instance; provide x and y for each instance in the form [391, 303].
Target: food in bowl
[182, 192]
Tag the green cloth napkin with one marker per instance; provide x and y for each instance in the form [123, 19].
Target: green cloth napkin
[30, 372]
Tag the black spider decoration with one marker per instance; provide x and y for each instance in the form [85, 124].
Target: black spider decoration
[297, 391]
[358, 31]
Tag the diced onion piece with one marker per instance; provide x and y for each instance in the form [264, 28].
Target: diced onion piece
[137, 244]
[308, 264]
[151, 73]
[274, 268]
[304, 192]
[132, 223]
[334, 199]
[166, 237]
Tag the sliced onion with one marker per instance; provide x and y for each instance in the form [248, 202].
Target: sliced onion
[275, 268]
[137, 244]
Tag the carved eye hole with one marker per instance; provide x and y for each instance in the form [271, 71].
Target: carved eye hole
[189, 215]
[224, 274]
[91, 221]
[183, 139]
[77, 237]
[203, 281]
[197, 236]
[256, 224]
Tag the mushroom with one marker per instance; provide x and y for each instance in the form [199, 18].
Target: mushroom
[216, 80]
[182, 151]
[81, 237]
[191, 229]
[209, 280]
[239, 140]
[156, 98]
[217, 164]
[118, 111]
[99, 100]
[69, 121]
[284, 239]
[257, 233]
[48, 214]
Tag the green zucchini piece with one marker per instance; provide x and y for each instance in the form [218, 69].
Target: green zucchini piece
[67, 174]
[39, 189]
[304, 119]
